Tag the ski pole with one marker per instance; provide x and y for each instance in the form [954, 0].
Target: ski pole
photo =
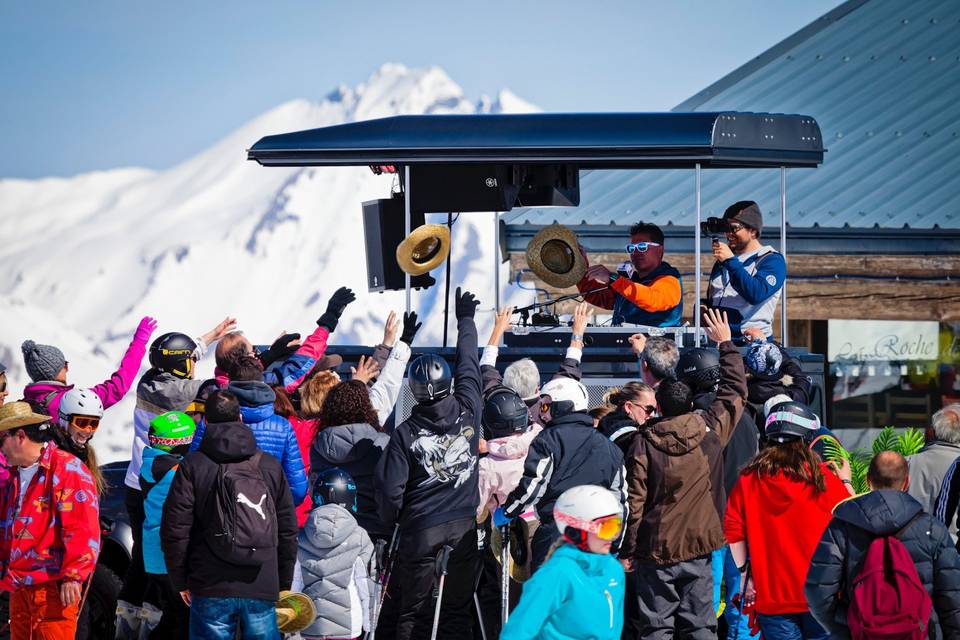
[483, 627]
[505, 572]
[443, 557]
[386, 570]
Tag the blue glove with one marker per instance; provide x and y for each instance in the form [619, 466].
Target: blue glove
[499, 519]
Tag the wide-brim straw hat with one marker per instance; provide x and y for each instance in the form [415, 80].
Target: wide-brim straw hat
[424, 249]
[555, 257]
[14, 415]
[518, 572]
[295, 611]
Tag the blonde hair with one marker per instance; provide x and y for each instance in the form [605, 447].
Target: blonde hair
[99, 481]
[314, 392]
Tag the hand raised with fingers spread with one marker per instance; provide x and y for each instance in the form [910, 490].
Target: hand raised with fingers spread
[410, 327]
[465, 305]
[365, 371]
[718, 329]
[226, 326]
[391, 329]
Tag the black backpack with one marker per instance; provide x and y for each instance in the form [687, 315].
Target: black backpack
[242, 524]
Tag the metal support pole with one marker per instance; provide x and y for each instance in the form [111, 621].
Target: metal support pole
[696, 265]
[407, 193]
[496, 261]
[784, 332]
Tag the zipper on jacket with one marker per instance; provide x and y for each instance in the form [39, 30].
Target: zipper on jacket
[609, 605]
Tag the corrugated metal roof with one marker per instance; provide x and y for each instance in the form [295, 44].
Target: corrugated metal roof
[882, 77]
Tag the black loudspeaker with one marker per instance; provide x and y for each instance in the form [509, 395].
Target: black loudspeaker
[457, 188]
[384, 228]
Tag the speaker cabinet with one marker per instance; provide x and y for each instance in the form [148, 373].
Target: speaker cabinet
[384, 228]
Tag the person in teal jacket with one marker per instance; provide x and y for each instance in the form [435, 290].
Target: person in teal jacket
[578, 592]
[164, 615]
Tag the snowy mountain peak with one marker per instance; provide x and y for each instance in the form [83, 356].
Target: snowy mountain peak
[217, 235]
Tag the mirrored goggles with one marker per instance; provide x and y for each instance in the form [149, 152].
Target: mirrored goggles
[605, 528]
[85, 423]
[641, 247]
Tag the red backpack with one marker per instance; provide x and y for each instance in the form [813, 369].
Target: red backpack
[888, 600]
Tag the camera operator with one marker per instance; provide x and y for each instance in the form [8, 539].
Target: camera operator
[747, 278]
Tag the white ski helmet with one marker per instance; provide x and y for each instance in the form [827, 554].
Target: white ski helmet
[581, 507]
[566, 390]
[83, 402]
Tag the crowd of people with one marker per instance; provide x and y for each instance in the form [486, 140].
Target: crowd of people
[693, 502]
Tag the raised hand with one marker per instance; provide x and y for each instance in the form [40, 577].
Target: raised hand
[598, 273]
[637, 342]
[282, 348]
[465, 305]
[718, 329]
[227, 325]
[391, 329]
[365, 371]
[145, 329]
[338, 302]
[410, 327]
[501, 324]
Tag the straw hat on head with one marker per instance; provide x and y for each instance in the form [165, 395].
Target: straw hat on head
[295, 611]
[14, 415]
[424, 249]
[554, 256]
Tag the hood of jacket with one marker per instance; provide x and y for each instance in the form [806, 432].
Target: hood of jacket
[577, 418]
[778, 493]
[436, 417]
[348, 442]
[881, 512]
[327, 526]
[256, 400]
[513, 447]
[593, 564]
[677, 435]
[616, 425]
[38, 391]
[228, 442]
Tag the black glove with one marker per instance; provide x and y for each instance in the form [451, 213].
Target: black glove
[338, 302]
[410, 327]
[281, 349]
[466, 304]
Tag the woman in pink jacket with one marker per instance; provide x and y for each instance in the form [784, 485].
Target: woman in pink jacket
[47, 367]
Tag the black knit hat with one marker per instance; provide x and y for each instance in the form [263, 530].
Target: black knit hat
[746, 212]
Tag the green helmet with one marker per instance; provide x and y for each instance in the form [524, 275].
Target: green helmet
[171, 430]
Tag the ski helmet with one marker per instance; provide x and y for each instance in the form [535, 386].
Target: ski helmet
[171, 430]
[335, 486]
[81, 402]
[764, 360]
[173, 352]
[588, 509]
[789, 421]
[699, 368]
[430, 378]
[505, 413]
[566, 396]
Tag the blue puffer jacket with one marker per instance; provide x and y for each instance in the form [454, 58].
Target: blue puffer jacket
[156, 476]
[574, 595]
[273, 434]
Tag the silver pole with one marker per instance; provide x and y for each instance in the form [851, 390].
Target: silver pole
[696, 265]
[784, 333]
[496, 261]
[406, 210]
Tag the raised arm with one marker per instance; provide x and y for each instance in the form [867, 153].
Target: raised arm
[724, 412]
[570, 365]
[111, 390]
[490, 376]
[467, 386]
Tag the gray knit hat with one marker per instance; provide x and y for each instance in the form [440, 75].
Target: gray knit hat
[43, 362]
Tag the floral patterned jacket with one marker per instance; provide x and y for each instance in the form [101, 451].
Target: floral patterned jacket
[56, 533]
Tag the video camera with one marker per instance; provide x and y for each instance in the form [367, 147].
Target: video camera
[714, 226]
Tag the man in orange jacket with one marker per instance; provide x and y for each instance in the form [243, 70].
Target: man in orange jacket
[645, 290]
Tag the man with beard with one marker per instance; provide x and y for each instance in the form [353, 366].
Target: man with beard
[747, 277]
[645, 290]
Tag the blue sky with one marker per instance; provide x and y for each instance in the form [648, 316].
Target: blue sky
[97, 85]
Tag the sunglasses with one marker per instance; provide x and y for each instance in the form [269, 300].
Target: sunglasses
[649, 409]
[85, 423]
[734, 227]
[641, 247]
[3, 386]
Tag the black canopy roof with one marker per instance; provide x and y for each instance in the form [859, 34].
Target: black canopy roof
[587, 140]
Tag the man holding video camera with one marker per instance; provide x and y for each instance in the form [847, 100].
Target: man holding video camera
[747, 278]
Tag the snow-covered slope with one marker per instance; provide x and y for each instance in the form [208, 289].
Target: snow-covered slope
[85, 258]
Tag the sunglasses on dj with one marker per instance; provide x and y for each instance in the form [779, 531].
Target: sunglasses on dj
[641, 247]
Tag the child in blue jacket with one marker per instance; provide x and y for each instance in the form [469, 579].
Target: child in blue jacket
[578, 592]
[165, 614]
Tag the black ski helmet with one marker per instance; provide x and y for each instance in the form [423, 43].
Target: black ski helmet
[430, 378]
[335, 486]
[699, 368]
[789, 421]
[505, 413]
[173, 352]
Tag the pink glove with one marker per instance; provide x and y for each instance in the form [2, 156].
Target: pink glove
[144, 330]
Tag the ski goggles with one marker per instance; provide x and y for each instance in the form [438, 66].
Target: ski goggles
[85, 423]
[605, 528]
[641, 247]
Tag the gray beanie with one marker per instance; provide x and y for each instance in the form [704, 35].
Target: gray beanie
[43, 361]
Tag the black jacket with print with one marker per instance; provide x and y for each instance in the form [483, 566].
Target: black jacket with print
[428, 474]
